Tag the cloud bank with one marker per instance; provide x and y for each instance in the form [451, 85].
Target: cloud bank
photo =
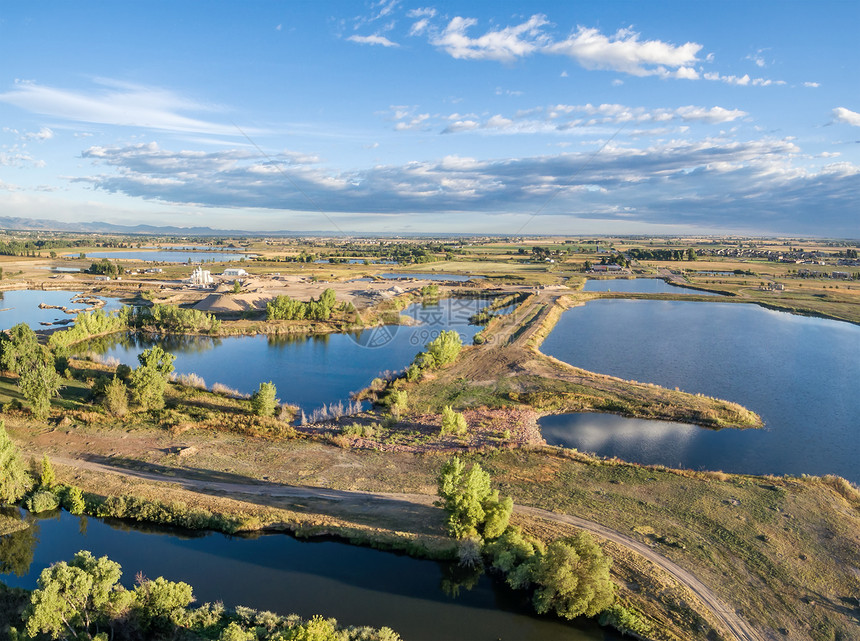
[752, 185]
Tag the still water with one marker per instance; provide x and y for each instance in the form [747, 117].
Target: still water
[167, 256]
[419, 599]
[307, 371]
[801, 375]
[22, 306]
[640, 286]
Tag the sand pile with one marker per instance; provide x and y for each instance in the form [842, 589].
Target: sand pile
[232, 303]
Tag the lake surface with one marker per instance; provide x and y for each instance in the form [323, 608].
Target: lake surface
[22, 306]
[307, 371]
[802, 375]
[640, 286]
[357, 586]
[428, 276]
[167, 256]
[358, 261]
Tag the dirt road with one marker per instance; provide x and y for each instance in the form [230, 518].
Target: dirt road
[738, 628]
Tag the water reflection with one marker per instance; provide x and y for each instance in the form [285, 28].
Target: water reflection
[640, 286]
[799, 374]
[17, 548]
[359, 586]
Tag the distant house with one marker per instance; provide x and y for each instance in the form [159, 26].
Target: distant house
[234, 271]
[102, 277]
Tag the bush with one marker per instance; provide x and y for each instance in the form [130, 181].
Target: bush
[397, 401]
[116, 397]
[453, 422]
[42, 501]
[445, 348]
[73, 500]
[625, 620]
[263, 401]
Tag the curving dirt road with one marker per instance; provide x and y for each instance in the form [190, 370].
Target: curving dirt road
[738, 628]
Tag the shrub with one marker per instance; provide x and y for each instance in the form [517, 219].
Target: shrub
[263, 401]
[116, 397]
[73, 500]
[625, 620]
[397, 401]
[445, 348]
[42, 501]
[48, 478]
[453, 422]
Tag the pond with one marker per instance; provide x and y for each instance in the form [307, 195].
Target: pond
[166, 256]
[419, 599]
[358, 261]
[308, 371]
[428, 276]
[22, 306]
[800, 374]
[640, 286]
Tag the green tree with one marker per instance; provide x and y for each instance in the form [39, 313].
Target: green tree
[159, 604]
[263, 401]
[73, 500]
[19, 348]
[115, 399]
[328, 298]
[473, 507]
[445, 348]
[48, 478]
[572, 578]
[39, 384]
[15, 482]
[75, 597]
[398, 402]
[453, 422]
[149, 381]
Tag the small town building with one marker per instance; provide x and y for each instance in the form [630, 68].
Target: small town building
[201, 277]
[234, 272]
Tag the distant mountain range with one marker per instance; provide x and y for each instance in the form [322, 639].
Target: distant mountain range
[97, 227]
[10, 223]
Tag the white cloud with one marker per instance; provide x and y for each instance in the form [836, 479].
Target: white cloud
[713, 115]
[119, 104]
[841, 114]
[813, 85]
[562, 118]
[44, 133]
[373, 40]
[408, 120]
[625, 52]
[422, 12]
[742, 81]
[504, 45]
[419, 27]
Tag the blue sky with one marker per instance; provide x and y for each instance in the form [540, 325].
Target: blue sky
[392, 116]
